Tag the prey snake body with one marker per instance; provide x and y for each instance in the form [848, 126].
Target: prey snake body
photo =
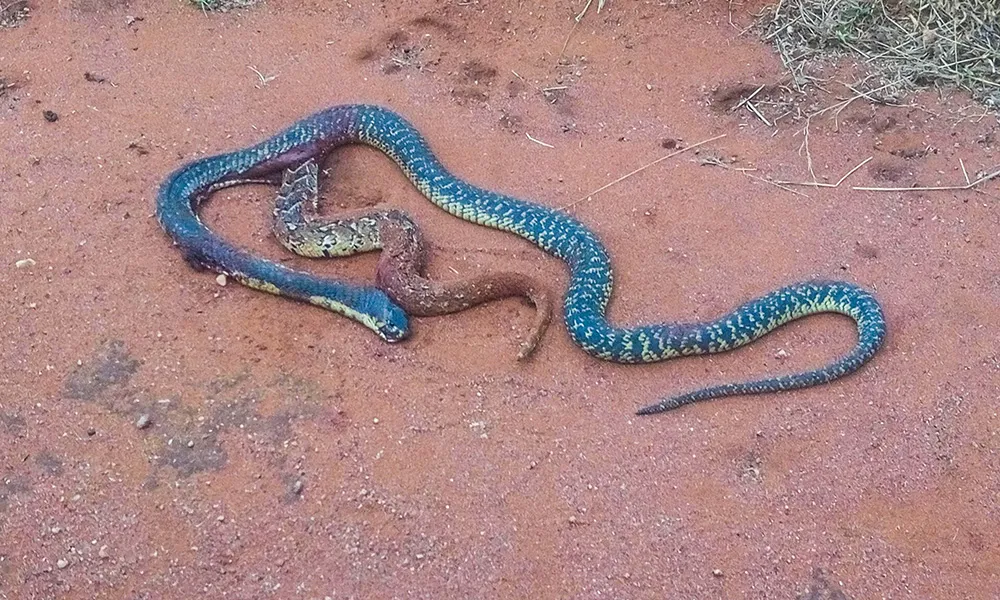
[400, 271]
[554, 231]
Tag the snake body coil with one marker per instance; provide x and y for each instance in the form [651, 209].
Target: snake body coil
[554, 231]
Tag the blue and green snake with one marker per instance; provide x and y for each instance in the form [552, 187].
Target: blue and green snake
[554, 231]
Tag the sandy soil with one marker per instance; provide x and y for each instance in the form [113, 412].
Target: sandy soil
[292, 454]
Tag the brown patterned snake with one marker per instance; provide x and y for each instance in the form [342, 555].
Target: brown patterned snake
[401, 268]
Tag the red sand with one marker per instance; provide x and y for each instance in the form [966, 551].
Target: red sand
[443, 468]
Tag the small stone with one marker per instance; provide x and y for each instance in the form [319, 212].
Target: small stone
[103, 552]
[297, 487]
[62, 563]
[716, 572]
[221, 518]
[781, 354]
[221, 279]
[91, 432]
[50, 116]
[25, 262]
[190, 444]
[143, 421]
[375, 420]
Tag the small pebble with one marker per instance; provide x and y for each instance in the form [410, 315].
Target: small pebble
[103, 552]
[91, 431]
[716, 572]
[780, 354]
[50, 116]
[143, 421]
[25, 262]
[190, 444]
[62, 563]
[221, 279]
[297, 487]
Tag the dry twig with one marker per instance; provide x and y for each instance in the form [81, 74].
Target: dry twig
[932, 188]
[640, 169]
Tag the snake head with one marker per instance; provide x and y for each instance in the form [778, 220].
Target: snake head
[386, 318]
[395, 327]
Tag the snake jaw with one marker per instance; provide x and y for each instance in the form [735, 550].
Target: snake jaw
[392, 334]
[393, 325]
[395, 337]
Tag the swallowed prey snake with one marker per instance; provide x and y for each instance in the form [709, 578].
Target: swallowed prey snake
[554, 231]
[400, 271]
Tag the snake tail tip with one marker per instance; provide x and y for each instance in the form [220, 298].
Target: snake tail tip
[650, 410]
[664, 406]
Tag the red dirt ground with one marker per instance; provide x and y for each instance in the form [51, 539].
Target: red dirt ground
[443, 468]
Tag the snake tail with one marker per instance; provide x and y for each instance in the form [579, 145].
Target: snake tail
[761, 316]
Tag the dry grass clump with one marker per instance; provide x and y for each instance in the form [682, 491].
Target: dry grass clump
[13, 13]
[909, 43]
[222, 5]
